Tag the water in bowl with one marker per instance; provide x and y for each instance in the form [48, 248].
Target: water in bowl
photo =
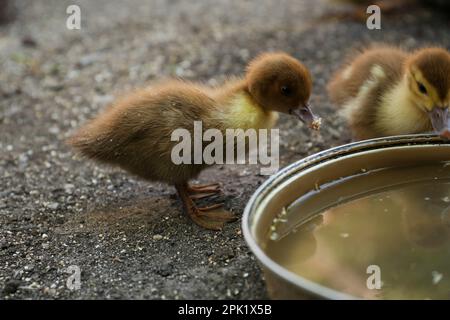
[391, 242]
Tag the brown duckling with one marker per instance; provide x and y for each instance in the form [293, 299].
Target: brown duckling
[135, 132]
[386, 91]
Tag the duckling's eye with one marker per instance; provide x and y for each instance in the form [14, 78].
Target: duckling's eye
[285, 90]
[422, 88]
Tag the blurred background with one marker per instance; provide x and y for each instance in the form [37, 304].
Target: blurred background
[129, 237]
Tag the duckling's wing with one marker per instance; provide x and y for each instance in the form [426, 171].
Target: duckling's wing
[149, 113]
[381, 62]
[135, 133]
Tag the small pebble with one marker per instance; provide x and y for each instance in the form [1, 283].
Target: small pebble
[157, 237]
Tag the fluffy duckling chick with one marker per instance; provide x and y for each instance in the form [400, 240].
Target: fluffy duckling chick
[386, 91]
[135, 132]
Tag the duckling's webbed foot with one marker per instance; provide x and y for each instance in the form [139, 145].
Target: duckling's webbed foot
[211, 217]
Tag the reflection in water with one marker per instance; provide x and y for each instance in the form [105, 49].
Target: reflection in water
[405, 231]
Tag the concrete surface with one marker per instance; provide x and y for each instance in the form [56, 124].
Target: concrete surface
[129, 237]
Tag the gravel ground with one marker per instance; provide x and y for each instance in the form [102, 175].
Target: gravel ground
[129, 237]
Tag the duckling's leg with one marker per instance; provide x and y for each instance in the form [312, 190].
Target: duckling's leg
[203, 191]
[202, 188]
[212, 217]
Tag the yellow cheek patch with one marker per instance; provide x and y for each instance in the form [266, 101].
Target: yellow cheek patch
[245, 114]
[429, 100]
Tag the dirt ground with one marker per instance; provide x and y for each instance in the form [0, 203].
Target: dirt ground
[129, 237]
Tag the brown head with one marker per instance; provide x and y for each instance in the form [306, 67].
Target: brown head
[279, 82]
[428, 72]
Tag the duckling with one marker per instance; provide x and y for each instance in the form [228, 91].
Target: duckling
[386, 91]
[135, 132]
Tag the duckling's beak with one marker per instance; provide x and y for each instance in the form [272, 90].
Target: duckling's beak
[439, 120]
[304, 113]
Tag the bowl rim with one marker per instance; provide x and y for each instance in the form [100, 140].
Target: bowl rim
[311, 287]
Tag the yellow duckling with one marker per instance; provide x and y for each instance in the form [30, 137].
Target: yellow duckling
[135, 132]
[386, 91]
